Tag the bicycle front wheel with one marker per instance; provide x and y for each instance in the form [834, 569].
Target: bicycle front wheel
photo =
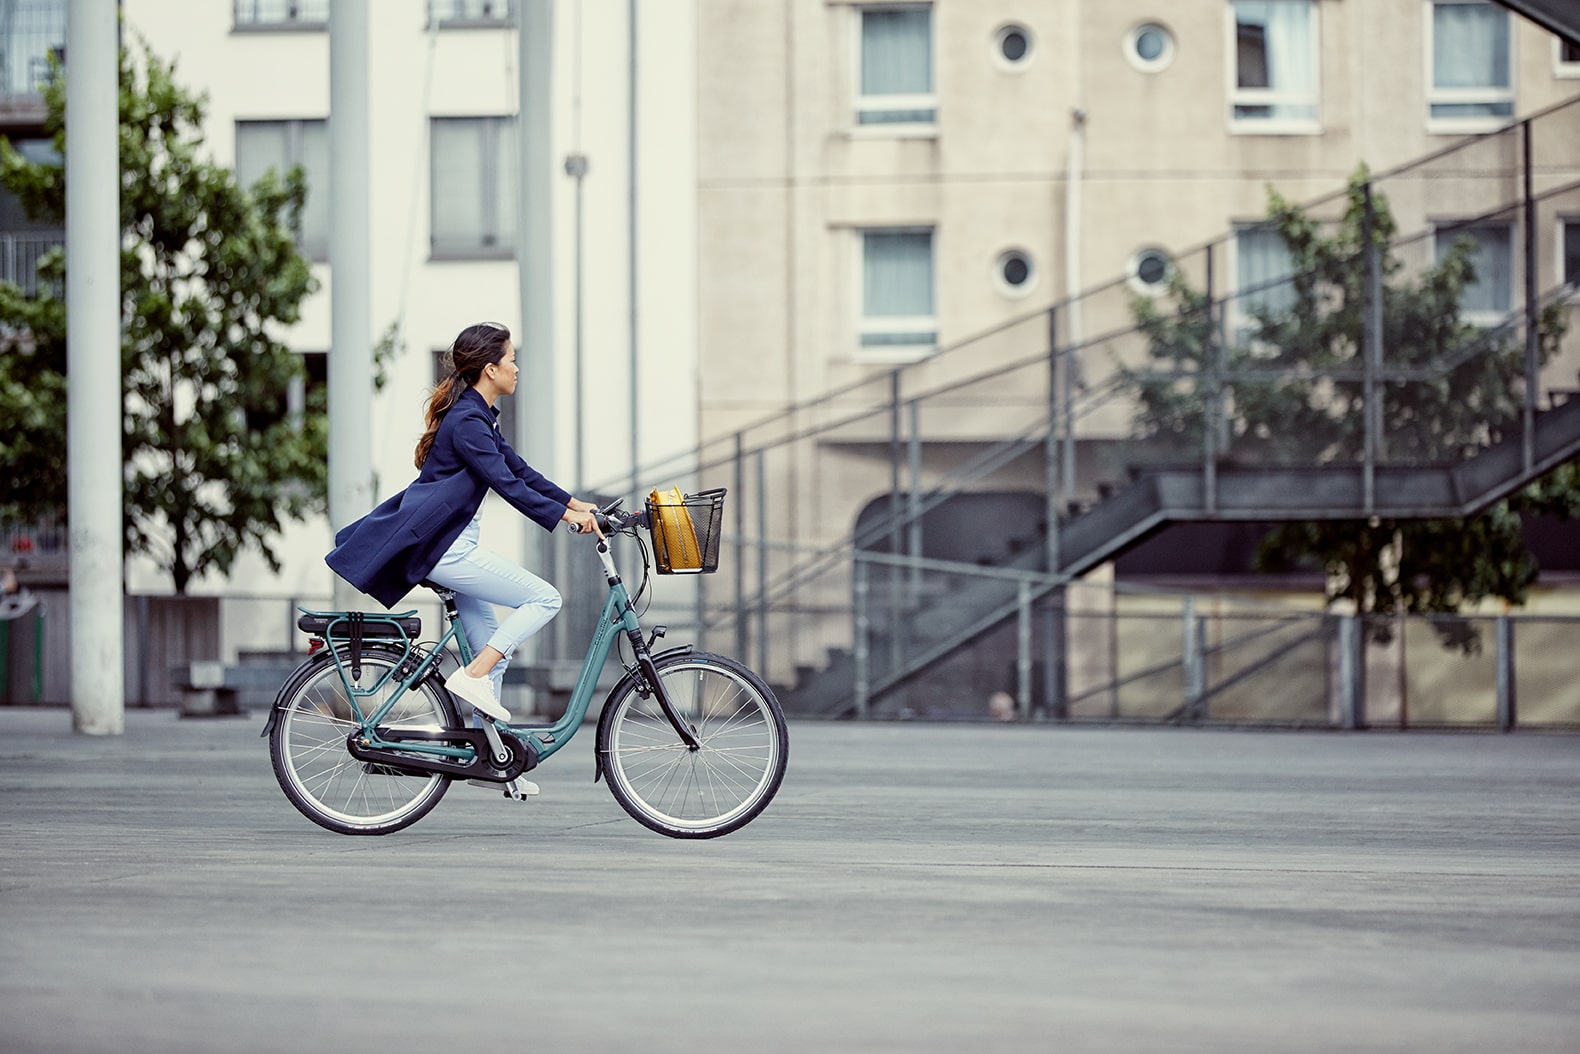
[318, 774]
[703, 793]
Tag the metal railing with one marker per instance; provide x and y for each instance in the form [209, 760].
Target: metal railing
[20, 253]
[1050, 402]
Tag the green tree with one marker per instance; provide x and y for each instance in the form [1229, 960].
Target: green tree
[210, 274]
[1289, 389]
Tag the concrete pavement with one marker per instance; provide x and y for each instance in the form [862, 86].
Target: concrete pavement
[913, 888]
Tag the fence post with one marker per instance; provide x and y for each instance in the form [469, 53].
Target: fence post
[1532, 334]
[1507, 695]
[913, 508]
[1051, 471]
[1212, 406]
[1023, 650]
[741, 631]
[1192, 660]
[1352, 673]
[895, 574]
[859, 636]
[762, 562]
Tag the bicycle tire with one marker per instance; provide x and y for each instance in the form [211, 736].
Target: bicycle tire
[317, 773]
[722, 786]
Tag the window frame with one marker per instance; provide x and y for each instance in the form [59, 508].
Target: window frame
[1449, 96]
[1133, 53]
[286, 25]
[504, 21]
[1462, 225]
[486, 182]
[1564, 221]
[1003, 61]
[1237, 318]
[860, 103]
[893, 324]
[1002, 284]
[1133, 264]
[1561, 69]
[1238, 96]
[294, 126]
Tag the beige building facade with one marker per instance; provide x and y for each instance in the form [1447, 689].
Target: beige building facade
[883, 184]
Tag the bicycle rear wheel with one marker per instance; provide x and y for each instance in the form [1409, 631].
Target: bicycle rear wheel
[716, 789]
[318, 774]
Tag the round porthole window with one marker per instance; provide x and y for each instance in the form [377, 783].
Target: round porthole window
[1012, 46]
[1149, 47]
[1014, 273]
[1149, 271]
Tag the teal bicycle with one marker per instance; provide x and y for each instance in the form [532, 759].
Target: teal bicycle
[365, 738]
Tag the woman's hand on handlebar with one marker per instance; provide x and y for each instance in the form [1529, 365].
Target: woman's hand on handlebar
[581, 520]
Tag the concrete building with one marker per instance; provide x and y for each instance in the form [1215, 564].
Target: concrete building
[808, 196]
[885, 179]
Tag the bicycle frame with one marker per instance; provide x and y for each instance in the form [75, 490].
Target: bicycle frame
[619, 615]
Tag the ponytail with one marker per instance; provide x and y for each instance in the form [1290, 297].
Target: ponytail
[439, 403]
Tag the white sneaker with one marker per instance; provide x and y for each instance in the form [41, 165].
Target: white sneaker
[479, 692]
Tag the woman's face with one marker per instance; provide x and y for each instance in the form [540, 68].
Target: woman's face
[505, 372]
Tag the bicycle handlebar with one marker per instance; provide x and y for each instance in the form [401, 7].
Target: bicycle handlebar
[612, 520]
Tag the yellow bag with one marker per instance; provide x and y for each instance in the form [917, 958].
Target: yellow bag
[674, 535]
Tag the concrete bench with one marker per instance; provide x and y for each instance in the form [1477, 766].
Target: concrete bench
[211, 688]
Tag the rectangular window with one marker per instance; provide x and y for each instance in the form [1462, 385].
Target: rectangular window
[1490, 296]
[896, 67]
[456, 13]
[282, 14]
[1471, 50]
[31, 35]
[897, 291]
[473, 193]
[1276, 59]
[505, 403]
[279, 146]
[1264, 274]
[309, 391]
[1566, 58]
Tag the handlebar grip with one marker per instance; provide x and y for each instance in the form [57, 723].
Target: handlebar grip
[598, 517]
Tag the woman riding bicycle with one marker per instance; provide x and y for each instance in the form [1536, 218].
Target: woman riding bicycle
[429, 531]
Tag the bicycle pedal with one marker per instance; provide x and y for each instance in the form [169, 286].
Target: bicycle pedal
[520, 789]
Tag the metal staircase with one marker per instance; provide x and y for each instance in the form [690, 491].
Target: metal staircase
[836, 627]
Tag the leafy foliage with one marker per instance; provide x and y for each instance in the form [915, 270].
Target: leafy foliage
[1288, 389]
[210, 273]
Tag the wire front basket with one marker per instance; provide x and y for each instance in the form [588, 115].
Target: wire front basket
[686, 529]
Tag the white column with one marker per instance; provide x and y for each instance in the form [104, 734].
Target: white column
[534, 330]
[350, 323]
[93, 362]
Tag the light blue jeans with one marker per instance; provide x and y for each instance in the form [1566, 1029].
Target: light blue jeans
[482, 579]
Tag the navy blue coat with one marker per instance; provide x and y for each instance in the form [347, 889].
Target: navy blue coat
[394, 547]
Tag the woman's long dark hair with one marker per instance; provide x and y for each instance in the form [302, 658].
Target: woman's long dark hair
[477, 346]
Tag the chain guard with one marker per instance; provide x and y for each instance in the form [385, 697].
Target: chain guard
[523, 756]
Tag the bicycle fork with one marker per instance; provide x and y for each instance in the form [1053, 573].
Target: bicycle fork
[644, 655]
